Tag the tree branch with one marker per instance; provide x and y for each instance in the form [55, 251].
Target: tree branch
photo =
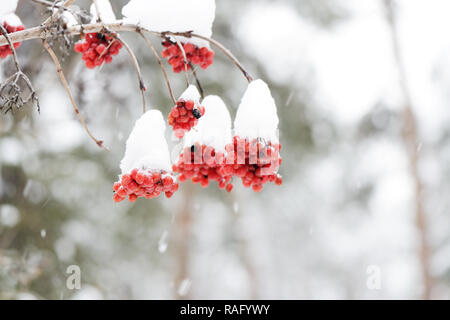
[138, 71]
[69, 93]
[411, 141]
[11, 86]
[41, 32]
[197, 80]
[163, 68]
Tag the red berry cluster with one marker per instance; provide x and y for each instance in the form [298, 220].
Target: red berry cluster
[148, 184]
[194, 165]
[98, 48]
[256, 163]
[203, 57]
[184, 116]
[6, 50]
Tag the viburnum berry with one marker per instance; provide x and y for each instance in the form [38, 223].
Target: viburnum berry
[6, 50]
[144, 183]
[203, 57]
[98, 48]
[184, 116]
[202, 164]
[256, 162]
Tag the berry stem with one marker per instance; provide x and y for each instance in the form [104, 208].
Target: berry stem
[218, 45]
[163, 69]
[138, 70]
[69, 93]
[197, 80]
[186, 73]
[11, 46]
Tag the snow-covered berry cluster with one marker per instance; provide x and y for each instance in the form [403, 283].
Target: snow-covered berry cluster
[203, 57]
[144, 183]
[6, 50]
[256, 162]
[201, 164]
[98, 48]
[146, 166]
[184, 116]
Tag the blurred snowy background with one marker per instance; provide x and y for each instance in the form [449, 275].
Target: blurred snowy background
[350, 211]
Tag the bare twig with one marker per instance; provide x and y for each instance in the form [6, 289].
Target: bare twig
[41, 32]
[138, 70]
[69, 93]
[197, 80]
[218, 45]
[186, 74]
[50, 4]
[163, 68]
[55, 14]
[10, 90]
[411, 141]
[130, 52]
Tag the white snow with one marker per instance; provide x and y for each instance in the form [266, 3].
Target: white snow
[106, 12]
[214, 128]
[67, 17]
[12, 19]
[8, 7]
[146, 146]
[257, 114]
[191, 94]
[173, 15]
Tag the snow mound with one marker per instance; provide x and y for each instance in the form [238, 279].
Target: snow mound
[214, 128]
[146, 146]
[191, 94]
[106, 12]
[12, 19]
[67, 17]
[8, 7]
[257, 114]
[173, 15]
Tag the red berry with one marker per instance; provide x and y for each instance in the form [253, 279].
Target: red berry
[183, 117]
[97, 48]
[203, 57]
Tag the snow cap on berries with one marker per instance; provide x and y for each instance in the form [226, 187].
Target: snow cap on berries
[191, 94]
[11, 19]
[146, 146]
[257, 114]
[106, 12]
[175, 16]
[214, 128]
[8, 7]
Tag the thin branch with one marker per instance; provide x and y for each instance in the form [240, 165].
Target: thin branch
[11, 46]
[69, 93]
[161, 64]
[197, 80]
[138, 70]
[50, 4]
[218, 45]
[14, 97]
[186, 73]
[411, 141]
[41, 32]
[50, 19]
